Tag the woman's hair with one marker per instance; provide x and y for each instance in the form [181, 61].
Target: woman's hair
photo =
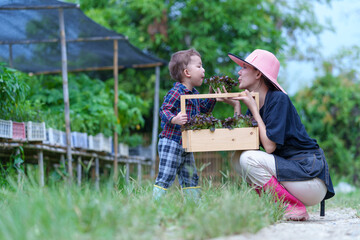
[269, 84]
[179, 61]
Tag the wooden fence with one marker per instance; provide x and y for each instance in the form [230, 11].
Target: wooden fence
[214, 166]
[98, 165]
[49, 158]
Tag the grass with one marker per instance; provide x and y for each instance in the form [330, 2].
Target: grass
[340, 200]
[346, 200]
[60, 211]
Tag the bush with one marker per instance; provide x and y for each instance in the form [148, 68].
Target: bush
[91, 106]
[330, 111]
[13, 93]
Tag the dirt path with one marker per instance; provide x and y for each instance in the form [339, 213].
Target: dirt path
[342, 224]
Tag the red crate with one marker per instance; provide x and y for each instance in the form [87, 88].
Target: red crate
[18, 129]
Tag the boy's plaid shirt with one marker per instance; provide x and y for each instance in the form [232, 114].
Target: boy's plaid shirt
[171, 107]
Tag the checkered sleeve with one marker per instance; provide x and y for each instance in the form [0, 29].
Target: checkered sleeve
[207, 105]
[169, 107]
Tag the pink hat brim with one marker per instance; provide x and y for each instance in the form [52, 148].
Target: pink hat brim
[239, 61]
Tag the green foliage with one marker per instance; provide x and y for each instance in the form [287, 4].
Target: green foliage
[330, 111]
[91, 106]
[214, 28]
[31, 212]
[348, 200]
[13, 93]
[12, 167]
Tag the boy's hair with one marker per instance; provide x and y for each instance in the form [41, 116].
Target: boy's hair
[179, 61]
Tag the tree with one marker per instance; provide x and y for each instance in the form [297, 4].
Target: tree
[330, 110]
[214, 28]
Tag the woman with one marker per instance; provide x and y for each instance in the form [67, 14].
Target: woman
[293, 166]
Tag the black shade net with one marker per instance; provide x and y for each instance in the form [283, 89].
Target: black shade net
[36, 4]
[30, 39]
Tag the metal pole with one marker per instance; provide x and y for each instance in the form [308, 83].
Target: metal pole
[10, 56]
[116, 83]
[322, 208]
[65, 92]
[155, 122]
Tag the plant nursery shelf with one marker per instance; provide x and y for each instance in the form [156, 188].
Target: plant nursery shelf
[221, 139]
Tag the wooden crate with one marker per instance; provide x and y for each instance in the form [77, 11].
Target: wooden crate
[221, 139]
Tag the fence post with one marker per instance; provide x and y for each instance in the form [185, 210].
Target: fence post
[97, 173]
[155, 123]
[127, 172]
[79, 171]
[41, 168]
[64, 72]
[139, 171]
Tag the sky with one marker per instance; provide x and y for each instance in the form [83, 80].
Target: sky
[345, 18]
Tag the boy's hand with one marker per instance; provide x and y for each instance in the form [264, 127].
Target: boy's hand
[211, 90]
[180, 119]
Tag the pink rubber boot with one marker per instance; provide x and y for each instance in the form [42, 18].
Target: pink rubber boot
[295, 210]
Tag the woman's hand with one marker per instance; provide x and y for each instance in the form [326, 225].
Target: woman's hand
[249, 101]
[231, 101]
[225, 99]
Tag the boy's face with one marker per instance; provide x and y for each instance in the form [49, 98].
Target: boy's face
[195, 71]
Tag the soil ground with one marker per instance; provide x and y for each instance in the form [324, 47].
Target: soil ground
[337, 224]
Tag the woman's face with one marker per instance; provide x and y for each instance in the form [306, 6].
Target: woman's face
[248, 77]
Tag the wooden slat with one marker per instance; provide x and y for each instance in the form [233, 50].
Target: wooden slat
[222, 139]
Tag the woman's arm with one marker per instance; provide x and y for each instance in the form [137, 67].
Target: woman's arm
[268, 145]
[249, 101]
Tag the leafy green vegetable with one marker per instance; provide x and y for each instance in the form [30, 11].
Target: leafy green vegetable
[208, 121]
[203, 121]
[239, 121]
[219, 82]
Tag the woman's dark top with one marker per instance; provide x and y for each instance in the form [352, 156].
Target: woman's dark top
[297, 156]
